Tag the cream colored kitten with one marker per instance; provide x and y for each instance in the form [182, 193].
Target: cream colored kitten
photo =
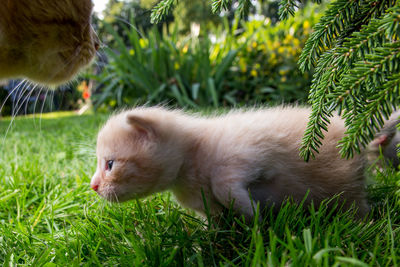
[45, 41]
[228, 157]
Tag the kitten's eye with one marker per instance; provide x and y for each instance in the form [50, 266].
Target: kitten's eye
[109, 165]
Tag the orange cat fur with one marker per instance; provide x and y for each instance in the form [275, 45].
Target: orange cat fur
[228, 157]
[45, 41]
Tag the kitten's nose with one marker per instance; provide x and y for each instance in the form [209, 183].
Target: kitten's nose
[95, 187]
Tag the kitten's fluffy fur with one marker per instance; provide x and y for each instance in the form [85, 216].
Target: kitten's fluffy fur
[227, 157]
[45, 41]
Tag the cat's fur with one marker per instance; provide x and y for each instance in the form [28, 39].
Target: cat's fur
[45, 41]
[228, 157]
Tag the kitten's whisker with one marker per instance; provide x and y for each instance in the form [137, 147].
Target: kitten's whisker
[116, 197]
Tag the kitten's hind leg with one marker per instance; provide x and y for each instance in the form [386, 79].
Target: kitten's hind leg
[231, 190]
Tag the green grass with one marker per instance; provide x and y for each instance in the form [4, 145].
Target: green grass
[50, 217]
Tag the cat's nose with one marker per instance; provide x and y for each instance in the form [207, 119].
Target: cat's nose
[96, 45]
[96, 40]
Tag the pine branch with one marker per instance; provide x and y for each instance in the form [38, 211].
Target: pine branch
[367, 123]
[355, 48]
[363, 77]
[218, 5]
[161, 10]
[322, 85]
[368, 81]
[287, 8]
[327, 30]
[244, 7]
[347, 78]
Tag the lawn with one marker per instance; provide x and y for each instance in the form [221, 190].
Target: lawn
[49, 216]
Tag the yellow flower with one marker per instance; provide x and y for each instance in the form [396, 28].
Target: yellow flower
[176, 65]
[131, 52]
[142, 42]
[296, 42]
[242, 64]
[281, 50]
[83, 86]
[288, 39]
[185, 49]
[283, 79]
[306, 24]
[254, 45]
[273, 59]
[253, 73]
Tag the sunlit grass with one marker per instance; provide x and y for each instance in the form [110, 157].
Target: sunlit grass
[49, 215]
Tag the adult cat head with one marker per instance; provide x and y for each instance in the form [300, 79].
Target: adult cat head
[47, 42]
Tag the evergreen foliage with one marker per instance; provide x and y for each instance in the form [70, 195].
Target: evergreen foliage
[354, 51]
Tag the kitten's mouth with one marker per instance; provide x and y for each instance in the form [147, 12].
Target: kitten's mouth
[111, 196]
[114, 198]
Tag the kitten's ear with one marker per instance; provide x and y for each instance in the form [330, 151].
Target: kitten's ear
[143, 125]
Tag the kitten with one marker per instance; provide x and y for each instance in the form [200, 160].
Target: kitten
[47, 42]
[228, 158]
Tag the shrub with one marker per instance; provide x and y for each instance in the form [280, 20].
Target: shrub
[242, 64]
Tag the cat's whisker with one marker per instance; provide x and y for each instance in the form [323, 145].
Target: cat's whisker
[30, 95]
[129, 24]
[41, 110]
[16, 88]
[14, 115]
[52, 100]
[14, 111]
[15, 101]
[26, 99]
[35, 103]
[18, 106]
[43, 87]
[11, 93]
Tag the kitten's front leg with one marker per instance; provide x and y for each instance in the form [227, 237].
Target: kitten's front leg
[229, 187]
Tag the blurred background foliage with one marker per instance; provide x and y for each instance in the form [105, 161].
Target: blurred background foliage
[194, 58]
